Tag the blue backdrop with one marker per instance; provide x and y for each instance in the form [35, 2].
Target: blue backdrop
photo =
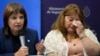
[32, 8]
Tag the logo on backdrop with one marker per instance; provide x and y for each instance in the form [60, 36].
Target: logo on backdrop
[54, 10]
[86, 11]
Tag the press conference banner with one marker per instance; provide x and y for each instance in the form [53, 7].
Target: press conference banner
[51, 8]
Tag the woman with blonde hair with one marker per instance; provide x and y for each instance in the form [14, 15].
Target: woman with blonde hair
[70, 36]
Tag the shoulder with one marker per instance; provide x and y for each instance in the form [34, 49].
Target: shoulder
[54, 35]
[89, 33]
[54, 32]
[87, 30]
[31, 34]
[1, 30]
[30, 31]
[1, 34]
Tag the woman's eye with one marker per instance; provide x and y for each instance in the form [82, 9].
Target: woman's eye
[13, 17]
[21, 17]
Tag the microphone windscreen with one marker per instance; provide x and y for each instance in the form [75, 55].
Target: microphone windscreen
[22, 40]
[22, 37]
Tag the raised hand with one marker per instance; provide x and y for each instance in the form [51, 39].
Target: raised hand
[40, 47]
[79, 28]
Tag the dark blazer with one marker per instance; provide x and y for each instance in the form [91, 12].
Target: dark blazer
[6, 45]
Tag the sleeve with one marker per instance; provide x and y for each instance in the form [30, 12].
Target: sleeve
[91, 36]
[1, 47]
[50, 43]
[91, 44]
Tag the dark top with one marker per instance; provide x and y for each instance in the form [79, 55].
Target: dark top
[9, 45]
[16, 43]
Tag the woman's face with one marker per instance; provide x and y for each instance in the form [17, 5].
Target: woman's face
[69, 20]
[16, 22]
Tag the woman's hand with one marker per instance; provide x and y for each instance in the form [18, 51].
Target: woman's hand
[40, 47]
[79, 28]
[23, 51]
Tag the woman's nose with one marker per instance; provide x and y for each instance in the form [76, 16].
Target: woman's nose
[18, 20]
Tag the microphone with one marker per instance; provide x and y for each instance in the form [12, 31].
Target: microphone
[22, 37]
